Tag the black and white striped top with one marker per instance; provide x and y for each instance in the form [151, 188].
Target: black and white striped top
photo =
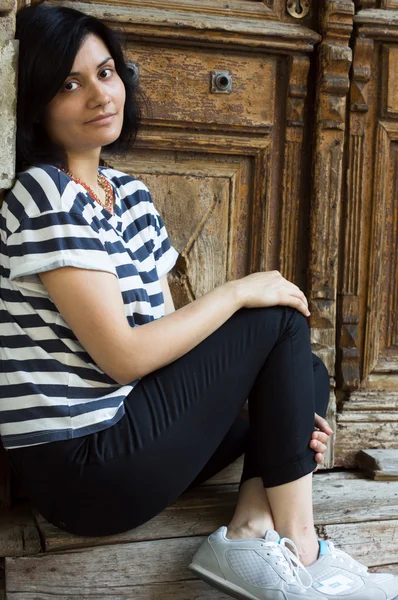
[50, 388]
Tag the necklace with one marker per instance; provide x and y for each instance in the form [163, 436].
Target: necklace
[103, 183]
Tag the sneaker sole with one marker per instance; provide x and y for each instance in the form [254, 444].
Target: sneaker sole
[230, 588]
[226, 586]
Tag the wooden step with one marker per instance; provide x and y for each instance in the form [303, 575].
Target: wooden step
[369, 419]
[338, 498]
[381, 464]
[150, 563]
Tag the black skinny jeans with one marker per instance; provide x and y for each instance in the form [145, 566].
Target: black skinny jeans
[181, 426]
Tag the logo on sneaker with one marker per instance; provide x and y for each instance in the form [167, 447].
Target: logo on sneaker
[334, 585]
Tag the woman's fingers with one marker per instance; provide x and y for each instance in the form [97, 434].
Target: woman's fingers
[323, 425]
[320, 436]
[293, 298]
[318, 447]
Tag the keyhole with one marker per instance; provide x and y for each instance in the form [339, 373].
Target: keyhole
[298, 8]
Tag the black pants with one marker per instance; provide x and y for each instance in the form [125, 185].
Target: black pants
[181, 426]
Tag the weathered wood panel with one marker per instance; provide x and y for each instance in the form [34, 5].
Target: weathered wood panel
[230, 474]
[379, 464]
[185, 590]
[202, 510]
[19, 535]
[242, 8]
[115, 571]
[198, 512]
[354, 259]
[334, 62]
[202, 29]
[178, 82]
[367, 420]
[372, 545]
[205, 203]
[104, 570]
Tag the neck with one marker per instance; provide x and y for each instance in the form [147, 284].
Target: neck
[85, 168]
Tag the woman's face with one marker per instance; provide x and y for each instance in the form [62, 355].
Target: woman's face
[87, 112]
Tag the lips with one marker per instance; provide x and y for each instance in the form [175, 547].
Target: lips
[101, 117]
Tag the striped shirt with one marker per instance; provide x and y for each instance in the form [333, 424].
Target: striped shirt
[50, 388]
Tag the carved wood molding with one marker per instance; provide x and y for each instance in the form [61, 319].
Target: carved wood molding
[353, 218]
[380, 24]
[261, 211]
[197, 141]
[392, 325]
[215, 8]
[292, 167]
[386, 134]
[335, 59]
[201, 29]
[389, 89]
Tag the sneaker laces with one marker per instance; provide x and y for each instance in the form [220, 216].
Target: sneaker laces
[300, 574]
[343, 556]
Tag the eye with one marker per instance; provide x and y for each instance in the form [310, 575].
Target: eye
[106, 73]
[70, 86]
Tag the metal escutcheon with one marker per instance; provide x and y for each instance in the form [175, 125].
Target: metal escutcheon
[221, 82]
[298, 8]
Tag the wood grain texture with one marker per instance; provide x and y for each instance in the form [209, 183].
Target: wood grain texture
[375, 545]
[367, 420]
[354, 219]
[331, 97]
[380, 258]
[202, 29]
[177, 80]
[381, 464]
[184, 590]
[293, 166]
[19, 535]
[391, 75]
[235, 8]
[205, 202]
[134, 568]
[201, 511]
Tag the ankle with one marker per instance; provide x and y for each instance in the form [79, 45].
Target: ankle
[250, 529]
[307, 545]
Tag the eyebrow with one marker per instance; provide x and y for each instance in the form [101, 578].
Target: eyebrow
[74, 73]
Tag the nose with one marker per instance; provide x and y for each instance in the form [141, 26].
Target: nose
[98, 95]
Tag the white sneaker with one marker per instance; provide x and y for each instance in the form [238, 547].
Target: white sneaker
[254, 569]
[336, 575]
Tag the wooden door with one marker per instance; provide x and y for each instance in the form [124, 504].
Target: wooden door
[271, 143]
[368, 299]
[228, 147]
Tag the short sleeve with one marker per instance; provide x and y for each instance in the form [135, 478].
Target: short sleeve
[164, 253]
[56, 239]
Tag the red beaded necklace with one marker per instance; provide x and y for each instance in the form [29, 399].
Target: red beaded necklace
[103, 183]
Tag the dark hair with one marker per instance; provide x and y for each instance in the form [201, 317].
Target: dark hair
[49, 39]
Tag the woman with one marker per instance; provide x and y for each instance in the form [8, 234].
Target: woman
[113, 403]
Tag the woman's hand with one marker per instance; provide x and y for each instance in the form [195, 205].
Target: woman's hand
[320, 438]
[260, 290]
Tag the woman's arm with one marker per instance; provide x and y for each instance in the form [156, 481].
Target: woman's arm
[92, 305]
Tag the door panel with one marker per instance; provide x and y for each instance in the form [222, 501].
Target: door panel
[178, 83]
